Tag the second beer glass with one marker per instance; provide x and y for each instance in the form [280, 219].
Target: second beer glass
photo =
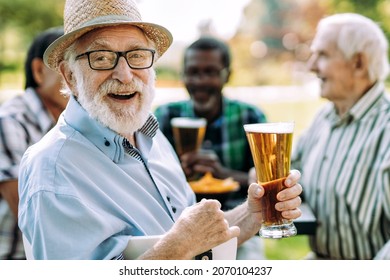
[271, 145]
[188, 133]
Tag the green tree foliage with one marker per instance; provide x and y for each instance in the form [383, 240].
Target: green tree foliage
[378, 10]
[30, 17]
[20, 21]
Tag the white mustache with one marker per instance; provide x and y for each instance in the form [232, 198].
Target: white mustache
[114, 86]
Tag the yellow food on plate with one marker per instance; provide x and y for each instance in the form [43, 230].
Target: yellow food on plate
[209, 184]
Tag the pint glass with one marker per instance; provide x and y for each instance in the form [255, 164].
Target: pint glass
[188, 133]
[271, 145]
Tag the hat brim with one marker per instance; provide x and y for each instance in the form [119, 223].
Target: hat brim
[54, 54]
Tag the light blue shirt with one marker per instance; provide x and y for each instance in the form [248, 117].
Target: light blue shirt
[83, 193]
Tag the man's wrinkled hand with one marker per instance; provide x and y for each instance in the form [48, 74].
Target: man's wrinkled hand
[288, 198]
[202, 227]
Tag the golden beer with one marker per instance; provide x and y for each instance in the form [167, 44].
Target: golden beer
[271, 145]
[188, 134]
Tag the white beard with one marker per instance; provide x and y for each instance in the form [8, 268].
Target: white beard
[122, 119]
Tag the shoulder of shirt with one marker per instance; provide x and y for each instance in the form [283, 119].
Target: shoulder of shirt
[174, 104]
[386, 101]
[241, 106]
[15, 106]
[324, 110]
[52, 142]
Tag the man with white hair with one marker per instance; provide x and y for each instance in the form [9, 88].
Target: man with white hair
[105, 172]
[344, 155]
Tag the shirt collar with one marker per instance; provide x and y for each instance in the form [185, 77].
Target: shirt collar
[150, 127]
[107, 140]
[363, 105]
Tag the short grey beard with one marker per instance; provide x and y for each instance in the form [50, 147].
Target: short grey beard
[123, 121]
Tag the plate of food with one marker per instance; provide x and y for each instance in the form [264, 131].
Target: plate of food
[212, 188]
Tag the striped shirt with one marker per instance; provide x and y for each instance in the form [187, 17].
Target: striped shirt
[23, 121]
[345, 165]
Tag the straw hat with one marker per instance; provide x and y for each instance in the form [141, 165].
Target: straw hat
[82, 16]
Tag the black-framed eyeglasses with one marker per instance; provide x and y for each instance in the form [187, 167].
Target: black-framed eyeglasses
[107, 60]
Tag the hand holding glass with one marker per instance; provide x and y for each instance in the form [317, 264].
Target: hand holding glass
[271, 145]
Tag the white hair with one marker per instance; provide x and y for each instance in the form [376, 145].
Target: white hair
[359, 34]
[70, 58]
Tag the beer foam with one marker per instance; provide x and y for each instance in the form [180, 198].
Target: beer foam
[280, 127]
[188, 122]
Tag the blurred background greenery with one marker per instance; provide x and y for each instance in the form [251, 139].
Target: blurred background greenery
[291, 248]
[270, 45]
[269, 49]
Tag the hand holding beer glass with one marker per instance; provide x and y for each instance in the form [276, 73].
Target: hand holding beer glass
[271, 145]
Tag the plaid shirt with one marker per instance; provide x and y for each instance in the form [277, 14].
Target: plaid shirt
[225, 135]
[23, 121]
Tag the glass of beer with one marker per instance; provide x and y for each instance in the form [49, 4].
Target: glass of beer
[188, 133]
[271, 145]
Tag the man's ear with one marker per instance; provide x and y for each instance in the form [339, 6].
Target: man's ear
[360, 63]
[67, 74]
[37, 66]
[225, 75]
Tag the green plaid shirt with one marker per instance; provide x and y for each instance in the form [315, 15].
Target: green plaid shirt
[226, 135]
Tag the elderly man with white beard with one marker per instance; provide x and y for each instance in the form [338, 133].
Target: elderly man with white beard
[105, 172]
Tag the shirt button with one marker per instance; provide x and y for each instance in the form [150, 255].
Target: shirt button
[169, 199]
[174, 209]
[107, 143]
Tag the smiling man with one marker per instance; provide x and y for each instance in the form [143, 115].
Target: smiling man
[105, 172]
[344, 156]
[225, 149]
